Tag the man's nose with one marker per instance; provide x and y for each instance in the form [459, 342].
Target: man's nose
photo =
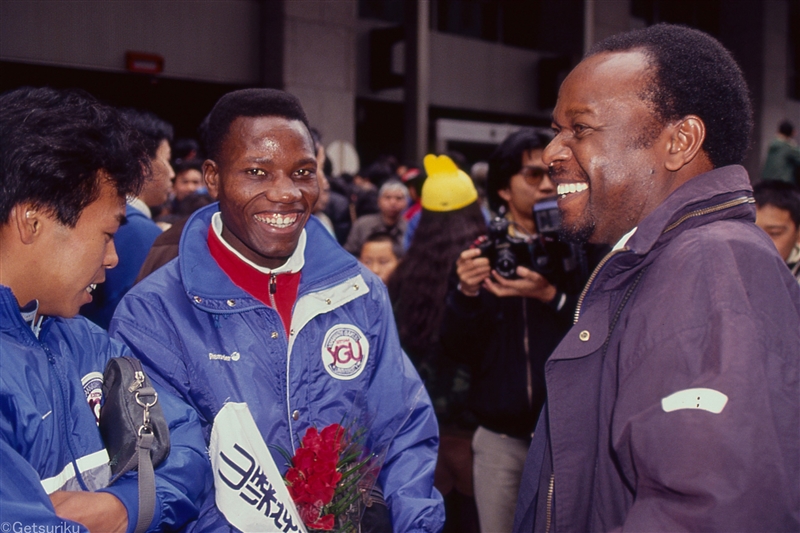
[554, 152]
[111, 259]
[283, 190]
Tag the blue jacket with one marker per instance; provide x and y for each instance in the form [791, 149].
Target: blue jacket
[687, 417]
[212, 342]
[47, 426]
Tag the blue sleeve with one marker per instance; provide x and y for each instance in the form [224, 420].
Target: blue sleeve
[183, 479]
[23, 501]
[407, 473]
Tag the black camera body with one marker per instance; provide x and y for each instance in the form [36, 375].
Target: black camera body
[505, 252]
[563, 264]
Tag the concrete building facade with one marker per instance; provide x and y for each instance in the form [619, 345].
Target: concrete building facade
[325, 52]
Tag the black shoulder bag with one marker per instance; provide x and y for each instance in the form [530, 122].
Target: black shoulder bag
[134, 430]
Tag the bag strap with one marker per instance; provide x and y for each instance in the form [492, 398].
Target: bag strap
[142, 459]
[147, 481]
[146, 397]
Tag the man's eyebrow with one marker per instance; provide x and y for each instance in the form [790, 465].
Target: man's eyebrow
[259, 160]
[308, 161]
[574, 112]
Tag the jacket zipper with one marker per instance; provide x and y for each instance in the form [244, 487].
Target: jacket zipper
[549, 513]
[63, 417]
[730, 203]
[705, 211]
[273, 288]
[591, 279]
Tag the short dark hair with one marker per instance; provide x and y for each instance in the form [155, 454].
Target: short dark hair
[693, 74]
[383, 236]
[52, 146]
[507, 161]
[188, 164]
[152, 129]
[786, 128]
[248, 103]
[780, 194]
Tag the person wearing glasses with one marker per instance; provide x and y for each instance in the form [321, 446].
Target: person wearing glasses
[505, 329]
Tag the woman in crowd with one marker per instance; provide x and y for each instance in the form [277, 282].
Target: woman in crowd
[451, 220]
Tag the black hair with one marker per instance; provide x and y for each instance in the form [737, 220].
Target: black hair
[693, 74]
[378, 172]
[152, 129]
[192, 203]
[786, 128]
[188, 164]
[183, 149]
[52, 146]
[383, 236]
[507, 161]
[247, 103]
[418, 287]
[780, 194]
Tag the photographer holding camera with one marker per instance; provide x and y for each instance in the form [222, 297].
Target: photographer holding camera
[504, 319]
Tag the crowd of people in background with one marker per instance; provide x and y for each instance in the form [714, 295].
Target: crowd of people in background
[477, 338]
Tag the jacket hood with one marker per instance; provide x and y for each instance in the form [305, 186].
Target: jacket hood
[326, 263]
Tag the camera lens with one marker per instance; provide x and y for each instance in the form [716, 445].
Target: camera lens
[506, 264]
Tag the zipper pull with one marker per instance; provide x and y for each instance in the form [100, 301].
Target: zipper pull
[138, 381]
[273, 286]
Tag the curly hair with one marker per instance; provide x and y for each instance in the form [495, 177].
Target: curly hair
[419, 284]
[693, 74]
[247, 103]
[54, 143]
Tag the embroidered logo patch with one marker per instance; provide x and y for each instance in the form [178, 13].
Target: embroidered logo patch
[345, 351]
[93, 389]
[234, 356]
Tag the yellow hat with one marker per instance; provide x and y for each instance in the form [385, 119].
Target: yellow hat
[447, 188]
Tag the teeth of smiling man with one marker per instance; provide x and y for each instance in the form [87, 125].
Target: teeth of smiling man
[91, 287]
[568, 188]
[278, 221]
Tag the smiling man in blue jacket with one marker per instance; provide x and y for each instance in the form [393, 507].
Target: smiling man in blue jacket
[263, 307]
[66, 164]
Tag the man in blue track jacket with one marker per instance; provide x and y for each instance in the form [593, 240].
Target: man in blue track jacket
[66, 164]
[263, 307]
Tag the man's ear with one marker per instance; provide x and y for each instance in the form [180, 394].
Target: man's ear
[211, 177]
[28, 221]
[685, 142]
[505, 194]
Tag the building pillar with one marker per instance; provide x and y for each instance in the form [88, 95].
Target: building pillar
[417, 79]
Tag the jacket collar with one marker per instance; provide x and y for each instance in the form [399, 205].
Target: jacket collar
[325, 265]
[703, 192]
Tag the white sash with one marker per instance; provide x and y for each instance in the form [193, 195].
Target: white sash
[249, 488]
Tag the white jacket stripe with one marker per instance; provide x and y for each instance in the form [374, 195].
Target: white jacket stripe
[85, 463]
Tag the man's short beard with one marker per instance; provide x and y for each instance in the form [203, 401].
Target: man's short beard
[576, 234]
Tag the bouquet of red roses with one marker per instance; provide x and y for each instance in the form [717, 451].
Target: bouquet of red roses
[328, 477]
